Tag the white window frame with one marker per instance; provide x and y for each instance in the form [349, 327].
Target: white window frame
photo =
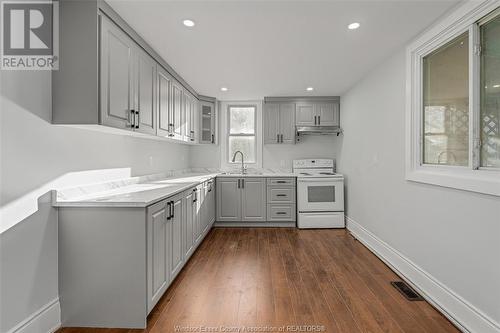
[470, 178]
[225, 158]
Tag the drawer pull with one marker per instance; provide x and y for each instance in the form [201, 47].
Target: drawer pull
[280, 213]
[281, 195]
[281, 181]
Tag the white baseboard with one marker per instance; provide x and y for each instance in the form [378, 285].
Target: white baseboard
[46, 320]
[256, 224]
[460, 312]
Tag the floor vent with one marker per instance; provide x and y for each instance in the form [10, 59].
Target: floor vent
[407, 291]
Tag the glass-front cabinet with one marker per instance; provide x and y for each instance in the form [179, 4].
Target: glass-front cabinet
[207, 121]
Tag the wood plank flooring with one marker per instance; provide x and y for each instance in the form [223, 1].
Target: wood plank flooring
[277, 277]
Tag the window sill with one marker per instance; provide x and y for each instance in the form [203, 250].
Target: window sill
[480, 181]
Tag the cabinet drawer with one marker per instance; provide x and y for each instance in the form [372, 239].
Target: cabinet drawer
[277, 194]
[279, 212]
[281, 181]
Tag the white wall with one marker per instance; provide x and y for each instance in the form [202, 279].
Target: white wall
[37, 156]
[453, 235]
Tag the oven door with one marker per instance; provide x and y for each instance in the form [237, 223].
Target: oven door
[320, 195]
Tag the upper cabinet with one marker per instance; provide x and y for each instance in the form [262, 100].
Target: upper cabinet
[279, 123]
[317, 113]
[207, 120]
[110, 76]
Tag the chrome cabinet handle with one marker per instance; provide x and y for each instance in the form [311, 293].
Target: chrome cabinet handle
[242, 183]
[132, 115]
[138, 119]
[281, 138]
[213, 140]
[319, 120]
[281, 195]
[173, 210]
[277, 138]
[168, 211]
[280, 213]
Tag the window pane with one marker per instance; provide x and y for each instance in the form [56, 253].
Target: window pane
[245, 144]
[446, 104]
[490, 94]
[242, 120]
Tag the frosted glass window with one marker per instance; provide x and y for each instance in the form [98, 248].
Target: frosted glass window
[245, 144]
[241, 133]
[242, 120]
[490, 94]
[446, 104]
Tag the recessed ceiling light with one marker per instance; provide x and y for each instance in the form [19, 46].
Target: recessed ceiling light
[188, 23]
[496, 86]
[353, 26]
[223, 89]
[309, 88]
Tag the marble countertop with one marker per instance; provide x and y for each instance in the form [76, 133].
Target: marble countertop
[140, 194]
[258, 175]
[141, 191]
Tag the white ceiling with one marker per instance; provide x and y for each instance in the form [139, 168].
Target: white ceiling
[277, 48]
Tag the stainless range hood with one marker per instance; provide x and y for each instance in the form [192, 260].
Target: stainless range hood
[318, 130]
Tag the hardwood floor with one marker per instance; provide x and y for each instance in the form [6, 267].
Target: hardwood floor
[284, 277]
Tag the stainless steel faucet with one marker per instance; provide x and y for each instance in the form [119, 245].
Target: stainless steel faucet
[242, 161]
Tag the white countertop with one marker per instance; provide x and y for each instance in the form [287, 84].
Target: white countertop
[139, 191]
[140, 194]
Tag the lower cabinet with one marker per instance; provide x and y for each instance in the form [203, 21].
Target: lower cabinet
[241, 199]
[119, 261]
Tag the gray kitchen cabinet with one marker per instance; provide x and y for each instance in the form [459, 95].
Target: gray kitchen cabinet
[145, 92]
[186, 119]
[177, 111]
[159, 233]
[119, 261]
[122, 82]
[253, 199]
[117, 77]
[305, 114]
[208, 205]
[164, 108]
[189, 117]
[328, 114]
[207, 120]
[271, 123]
[177, 221]
[241, 199]
[317, 113]
[228, 199]
[279, 123]
[199, 217]
[281, 199]
[190, 223]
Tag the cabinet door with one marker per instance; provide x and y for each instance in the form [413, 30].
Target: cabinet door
[194, 120]
[176, 222]
[116, 79]
[164, 106]
[328, 114]
[177, 106]
[287, 123]
[228, 200]
[158, 252]
[145, 92]
[253, 199]
[199, 217]
[205, 209]
[305, 114]
[211, 203]
[186, 117]
[189, 229]
[207, 123]
[271, 123]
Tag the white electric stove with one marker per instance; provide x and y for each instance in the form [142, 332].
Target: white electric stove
[320, 194]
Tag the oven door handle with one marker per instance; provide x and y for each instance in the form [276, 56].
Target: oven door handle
[321, 180]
